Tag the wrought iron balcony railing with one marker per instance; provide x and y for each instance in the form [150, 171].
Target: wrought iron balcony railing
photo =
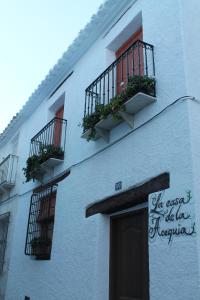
[137, 62]
[40, 223]
[8, 168]
[50, 141]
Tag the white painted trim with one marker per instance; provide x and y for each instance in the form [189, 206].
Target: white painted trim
[133, 208]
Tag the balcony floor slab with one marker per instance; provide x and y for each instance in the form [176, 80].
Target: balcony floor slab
[49, 164]
[131, 107]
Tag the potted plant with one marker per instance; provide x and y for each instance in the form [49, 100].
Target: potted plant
[91, 120]
[50, 151]
[143, 84]
[41, 247]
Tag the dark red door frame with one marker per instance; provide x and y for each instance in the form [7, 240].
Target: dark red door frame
[137, 58]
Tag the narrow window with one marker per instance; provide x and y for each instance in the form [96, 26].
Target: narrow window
[4, 221]
[41, 223]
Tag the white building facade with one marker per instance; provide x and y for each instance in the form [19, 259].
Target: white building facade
[115, 217]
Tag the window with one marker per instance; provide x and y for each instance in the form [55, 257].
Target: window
[41, 222]
[4, 221]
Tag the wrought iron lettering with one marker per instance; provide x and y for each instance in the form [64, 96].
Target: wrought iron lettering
[169, 219]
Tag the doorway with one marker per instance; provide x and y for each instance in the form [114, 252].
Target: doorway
[129, 268]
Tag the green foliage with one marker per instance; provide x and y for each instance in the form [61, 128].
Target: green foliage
[112, 107]
[33, 163]
[50, 151]
[90, 121]
[32, 168]
[142, 84]
[135, 85]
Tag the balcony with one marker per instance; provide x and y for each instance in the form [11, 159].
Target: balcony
[122, 90]
[47, 150]
[8, 168]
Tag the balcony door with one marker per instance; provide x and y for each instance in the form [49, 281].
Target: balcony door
[129, 273]
[130, 64]
[58, 126]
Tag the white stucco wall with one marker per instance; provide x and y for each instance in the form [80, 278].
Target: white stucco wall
[191, 44]
[80, 251]
[190, 31]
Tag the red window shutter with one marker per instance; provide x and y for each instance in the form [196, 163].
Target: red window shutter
[58, 126]
[122, 71]
[47, 208]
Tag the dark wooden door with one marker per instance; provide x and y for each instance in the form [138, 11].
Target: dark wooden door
[129, 272]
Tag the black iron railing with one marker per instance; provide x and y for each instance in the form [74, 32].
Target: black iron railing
[50, 139]
[8, 170]
[40, 223]
[137, 61]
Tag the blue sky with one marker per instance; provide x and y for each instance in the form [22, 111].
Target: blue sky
[34, 34]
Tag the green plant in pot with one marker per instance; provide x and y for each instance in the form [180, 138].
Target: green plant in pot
[101, 112]
[91, 120]
[142, 84]
[50, 151]
[41, 247]
[113, 107]
[134, 85]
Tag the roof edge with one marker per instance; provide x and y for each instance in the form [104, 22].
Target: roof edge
[99, 23]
